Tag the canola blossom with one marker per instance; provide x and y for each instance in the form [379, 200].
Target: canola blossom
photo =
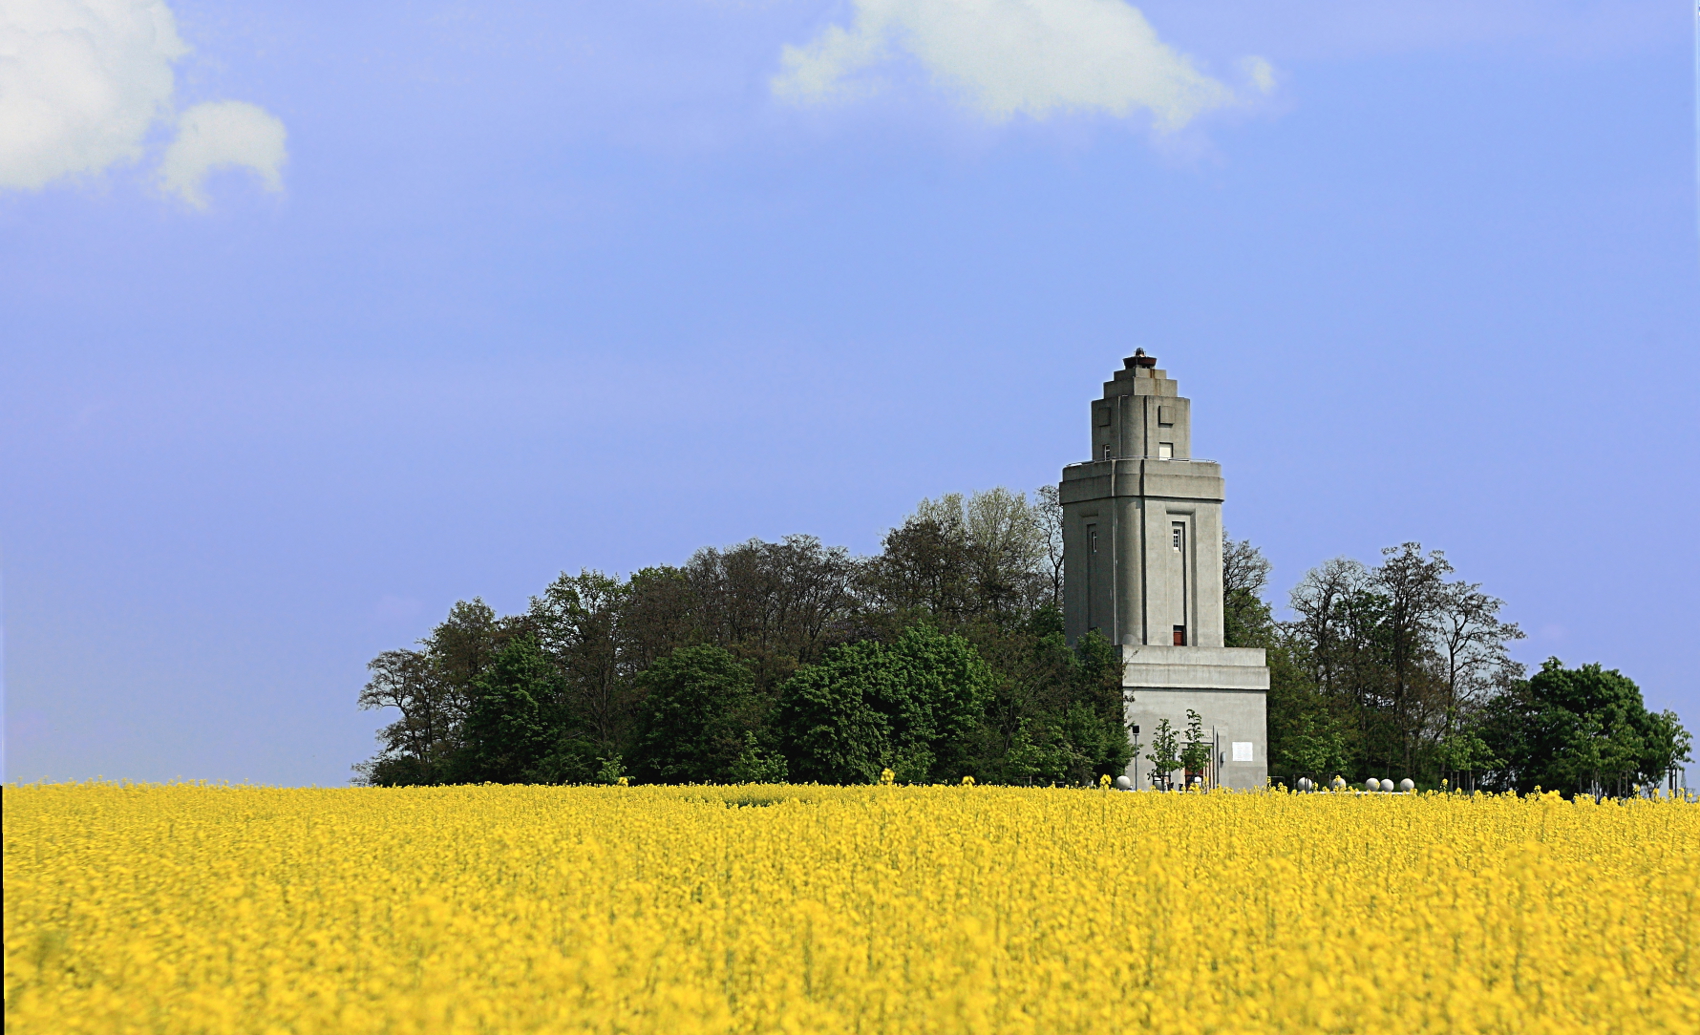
[187, 908]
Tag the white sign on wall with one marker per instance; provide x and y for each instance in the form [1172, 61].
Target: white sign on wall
[1242, 750]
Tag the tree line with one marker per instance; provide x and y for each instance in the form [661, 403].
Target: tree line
[1398, 670]
[943, 656]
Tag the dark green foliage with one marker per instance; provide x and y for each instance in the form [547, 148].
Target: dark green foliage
[572, 759]
[1580, 730]
[701, 720]
[912, 706]
[1098, 727]
[835, 721]
[511, 722]
[1055, 713]
[1307, 730]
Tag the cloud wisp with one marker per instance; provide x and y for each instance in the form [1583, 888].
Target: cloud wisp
[82, 82]
[1010, 57]
[220, 134]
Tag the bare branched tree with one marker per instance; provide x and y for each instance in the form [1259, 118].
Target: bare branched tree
[1048, 512]
[1244, 568]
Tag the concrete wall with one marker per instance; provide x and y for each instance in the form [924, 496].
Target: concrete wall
[1129, 582]
[1226, 686]
[1183, 586]
[1235, 716]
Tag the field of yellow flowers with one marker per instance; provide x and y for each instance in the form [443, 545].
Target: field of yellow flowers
[189, 908]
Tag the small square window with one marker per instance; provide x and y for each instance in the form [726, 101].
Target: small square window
[1180, 636]
[1242, 751]
[1165, 450]
[1106, 452]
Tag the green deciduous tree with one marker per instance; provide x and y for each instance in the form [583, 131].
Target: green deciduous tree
[702, 720]
[775, 606]
[1195, 750]
[992, 554]
[1056, 713]
[1585, 730]
[416, 748]
[1165, 753]
[913, 706]
[578, 621]
[432, 689]
[512, 720]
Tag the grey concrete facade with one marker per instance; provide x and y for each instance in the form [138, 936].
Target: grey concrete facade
[1142, 556]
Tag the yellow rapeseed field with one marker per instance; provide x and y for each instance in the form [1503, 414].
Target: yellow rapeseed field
[186, 908]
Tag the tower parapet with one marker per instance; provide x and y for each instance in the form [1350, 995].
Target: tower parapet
[1142, 552]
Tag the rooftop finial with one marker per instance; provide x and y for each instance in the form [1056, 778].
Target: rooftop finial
[1139, 360]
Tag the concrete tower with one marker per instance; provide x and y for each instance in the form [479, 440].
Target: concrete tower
[1142, 549]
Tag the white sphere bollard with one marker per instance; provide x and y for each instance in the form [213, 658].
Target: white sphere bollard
[1339, 783]
[1372, 784]
[1406, 785]
[1123, 783]
[1387, 786]
[1304, 783]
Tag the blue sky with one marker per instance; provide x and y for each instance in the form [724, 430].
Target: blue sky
[314, 320]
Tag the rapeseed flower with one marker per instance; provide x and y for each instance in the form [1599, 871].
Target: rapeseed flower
[197, 909]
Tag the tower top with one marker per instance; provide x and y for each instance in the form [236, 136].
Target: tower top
[1139, 376]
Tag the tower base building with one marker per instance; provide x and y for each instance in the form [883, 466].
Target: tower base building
[1142, 553]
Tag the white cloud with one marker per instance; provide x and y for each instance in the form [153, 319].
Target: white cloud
[1032, 57]
[83, 81]
[220, 134]
[80, 83]
[1260, 72]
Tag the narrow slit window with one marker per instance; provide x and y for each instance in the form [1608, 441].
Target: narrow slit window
[1106, 451]
[1092, 575]
[1183, 610]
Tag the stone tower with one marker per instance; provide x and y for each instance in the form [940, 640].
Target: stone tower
[1142, 550]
